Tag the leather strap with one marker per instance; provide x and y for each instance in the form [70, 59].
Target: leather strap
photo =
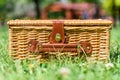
[58, 29]
[35, 46]
[77, 47]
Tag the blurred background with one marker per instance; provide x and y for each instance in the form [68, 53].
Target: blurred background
[60, 9]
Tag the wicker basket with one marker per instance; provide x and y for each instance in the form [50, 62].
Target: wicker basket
[96, 32]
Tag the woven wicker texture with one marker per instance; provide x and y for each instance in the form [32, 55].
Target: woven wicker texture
[97, 32]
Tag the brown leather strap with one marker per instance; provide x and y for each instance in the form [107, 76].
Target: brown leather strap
[83, 46]
[58, 29]
[79, 48]
[46, 45]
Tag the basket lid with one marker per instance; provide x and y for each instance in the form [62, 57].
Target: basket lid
[66, 22]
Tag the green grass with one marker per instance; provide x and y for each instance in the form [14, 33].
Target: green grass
[60, 69]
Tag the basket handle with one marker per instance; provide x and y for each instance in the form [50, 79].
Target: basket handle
[36, 47]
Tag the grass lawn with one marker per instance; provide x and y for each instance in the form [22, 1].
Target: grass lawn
[61, 69]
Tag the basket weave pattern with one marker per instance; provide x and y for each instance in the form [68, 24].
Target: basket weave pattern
[97, 32]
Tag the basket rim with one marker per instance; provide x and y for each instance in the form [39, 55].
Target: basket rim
[66, 22]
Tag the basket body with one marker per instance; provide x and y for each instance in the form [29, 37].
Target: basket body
[97, 32]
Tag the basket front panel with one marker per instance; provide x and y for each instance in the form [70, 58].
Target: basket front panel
[96, 35]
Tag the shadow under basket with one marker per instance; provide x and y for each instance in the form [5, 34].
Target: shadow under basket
[39, 39]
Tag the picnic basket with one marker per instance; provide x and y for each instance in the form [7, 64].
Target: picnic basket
[37, 39]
